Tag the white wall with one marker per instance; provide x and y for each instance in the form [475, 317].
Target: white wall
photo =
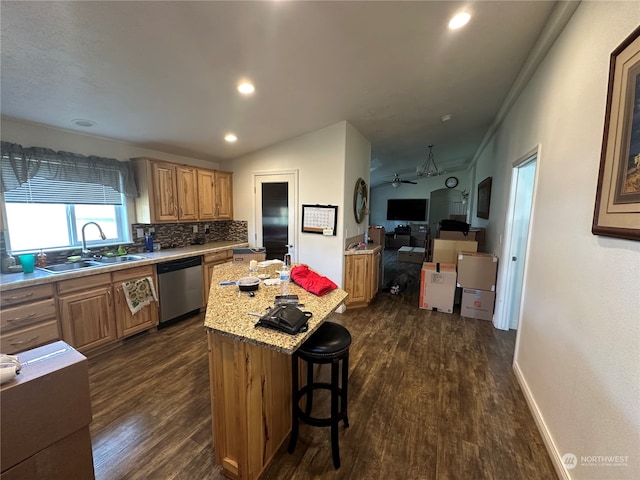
[357, 165]
[320, 158]
[34, 135]
[423, 189]
[578, 353]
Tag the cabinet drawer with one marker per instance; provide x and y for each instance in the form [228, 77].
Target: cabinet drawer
[131, 273]
[217, 257]
[29, 337]
[18, 317]
[84, 283]
[27, 294]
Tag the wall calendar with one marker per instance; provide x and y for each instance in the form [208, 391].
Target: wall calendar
[322, 219]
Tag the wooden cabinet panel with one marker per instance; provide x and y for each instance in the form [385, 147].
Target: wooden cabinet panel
[187, 182]
[165, 196]
[362, 278]
[210, 261]
[144, 319]
[83, 283]
[224, 195]
[206, 195]
[88, 318]
[27, 294]
[22, 315]
[32, 336]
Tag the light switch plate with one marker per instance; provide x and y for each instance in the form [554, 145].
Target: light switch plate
[195, 229]
[139, 232]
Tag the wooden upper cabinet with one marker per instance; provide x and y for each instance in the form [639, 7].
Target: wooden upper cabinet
[187, 193]
[171, 193]
[206, 195]
[224, 195]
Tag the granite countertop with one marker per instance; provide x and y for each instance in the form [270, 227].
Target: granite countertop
[11, 281]
[227, 308]
[368, 250]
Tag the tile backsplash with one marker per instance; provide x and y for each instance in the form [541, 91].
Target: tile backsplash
[182, 234]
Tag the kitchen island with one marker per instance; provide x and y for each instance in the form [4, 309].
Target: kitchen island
[250, 369]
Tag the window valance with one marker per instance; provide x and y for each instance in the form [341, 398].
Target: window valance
[20, 164]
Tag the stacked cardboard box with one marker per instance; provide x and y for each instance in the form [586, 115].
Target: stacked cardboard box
[474, 234]
[477, 277]
[437, 286]
[447, 251]
[411, 254]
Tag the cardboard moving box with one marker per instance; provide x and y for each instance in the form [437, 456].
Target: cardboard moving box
[477, 304]
[411, 254]
[437, 286]
[45, 414]
[477, 270]
[446, 251]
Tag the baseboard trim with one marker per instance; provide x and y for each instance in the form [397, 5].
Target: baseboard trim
[556, 458]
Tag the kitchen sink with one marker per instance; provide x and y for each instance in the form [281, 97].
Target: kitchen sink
[69, 267]
[94, 262]
[119, 259]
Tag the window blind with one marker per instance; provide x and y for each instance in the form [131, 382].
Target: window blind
[41, 190]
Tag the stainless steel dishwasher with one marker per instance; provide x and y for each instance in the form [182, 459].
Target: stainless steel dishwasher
[180, 288]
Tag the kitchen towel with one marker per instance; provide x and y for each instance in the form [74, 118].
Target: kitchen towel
[139, 293]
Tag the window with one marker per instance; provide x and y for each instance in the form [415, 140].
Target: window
[50, 214]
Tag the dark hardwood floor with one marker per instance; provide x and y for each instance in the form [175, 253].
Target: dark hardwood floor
[431, 396]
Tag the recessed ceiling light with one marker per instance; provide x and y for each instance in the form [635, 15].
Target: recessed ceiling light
[445, 118]
[230, 137]
[459, 20]
[83, 123]
[246, 88]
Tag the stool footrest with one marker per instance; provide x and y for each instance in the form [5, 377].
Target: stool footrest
[314, 421]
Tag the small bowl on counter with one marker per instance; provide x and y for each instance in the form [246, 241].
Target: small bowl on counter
[248, 284]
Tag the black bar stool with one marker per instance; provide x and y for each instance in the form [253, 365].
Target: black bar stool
[329, 344]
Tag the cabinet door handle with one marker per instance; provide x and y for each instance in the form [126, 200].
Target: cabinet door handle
[20, 297]
[109, 297]
[13, 320]
[22, 342]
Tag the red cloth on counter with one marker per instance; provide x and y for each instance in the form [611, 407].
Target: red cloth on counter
[311, 281]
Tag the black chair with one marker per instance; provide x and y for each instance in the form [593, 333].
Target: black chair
[329, 344]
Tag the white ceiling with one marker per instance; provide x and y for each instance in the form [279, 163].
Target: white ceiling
[162, 75]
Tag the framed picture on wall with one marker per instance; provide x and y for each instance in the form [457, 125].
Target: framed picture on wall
[617, 206]
[484, 198]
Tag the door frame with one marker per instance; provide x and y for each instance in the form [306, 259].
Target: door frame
[287, 176]
[503, 304]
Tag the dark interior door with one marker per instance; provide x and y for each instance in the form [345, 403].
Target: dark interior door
[275, 218]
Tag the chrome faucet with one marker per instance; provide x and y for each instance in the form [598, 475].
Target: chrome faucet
[85, 250]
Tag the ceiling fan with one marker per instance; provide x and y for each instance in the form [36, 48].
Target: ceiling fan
[395, 183]
[429, 168]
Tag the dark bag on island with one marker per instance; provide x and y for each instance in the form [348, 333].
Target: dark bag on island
[285, 318]
[454, 226]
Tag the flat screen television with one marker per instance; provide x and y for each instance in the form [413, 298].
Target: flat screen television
[407, 209]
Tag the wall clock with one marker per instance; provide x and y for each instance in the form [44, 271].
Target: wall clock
[451, 182]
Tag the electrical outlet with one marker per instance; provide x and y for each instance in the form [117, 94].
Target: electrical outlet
[206, 228]
[195, 229]
[152, 230]
[139, 232]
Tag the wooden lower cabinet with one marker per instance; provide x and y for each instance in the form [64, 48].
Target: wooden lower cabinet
[127, 323]
[94, 311]
[210, 261]
[29, 318]
[250, 404]
[88, 319]
[362, 277]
